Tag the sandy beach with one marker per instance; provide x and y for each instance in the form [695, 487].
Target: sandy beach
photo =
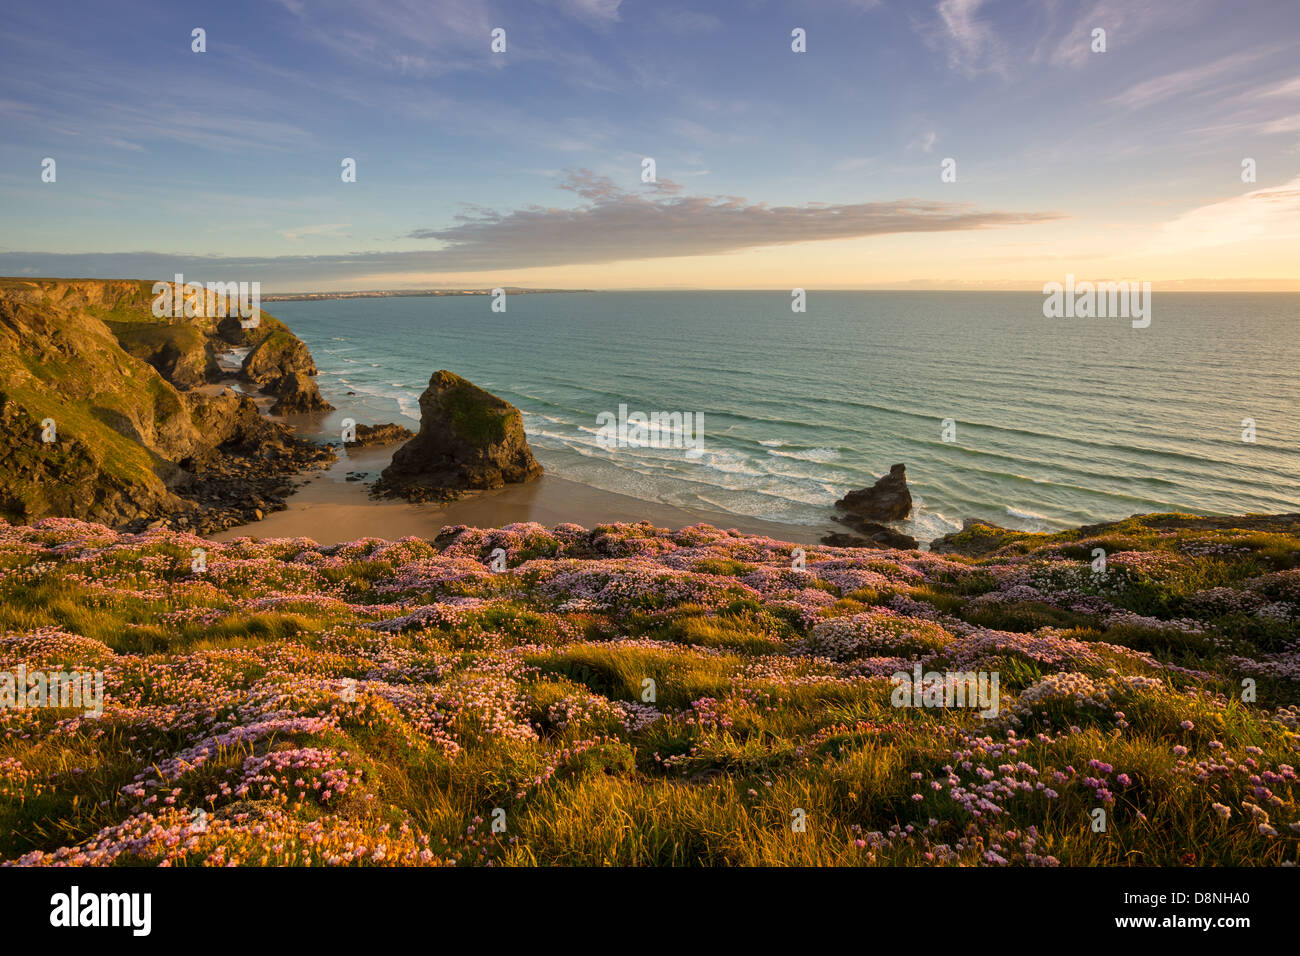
[330, 509]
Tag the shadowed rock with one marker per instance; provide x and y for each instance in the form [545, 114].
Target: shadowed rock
[297, 392]
[468, 439]
[870, 535]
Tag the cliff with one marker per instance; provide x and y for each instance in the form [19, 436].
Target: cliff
[101, 416]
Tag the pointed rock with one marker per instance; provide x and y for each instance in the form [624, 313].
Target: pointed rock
[887, 500]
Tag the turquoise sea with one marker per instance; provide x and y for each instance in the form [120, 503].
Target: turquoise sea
[1057, 421]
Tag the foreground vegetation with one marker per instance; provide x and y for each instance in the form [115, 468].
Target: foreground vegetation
[630, 695]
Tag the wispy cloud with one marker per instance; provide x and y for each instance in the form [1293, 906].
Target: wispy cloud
[598, 12]
[331, 230]
[1184, 82]
[1290, 87]
[1272, 213]
[408, 37]
[925, 142]
[971, 43]
[1124, 21]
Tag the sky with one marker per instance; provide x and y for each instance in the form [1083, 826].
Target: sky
[820, 169]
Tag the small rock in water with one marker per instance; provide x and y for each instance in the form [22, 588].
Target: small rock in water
[887, 500]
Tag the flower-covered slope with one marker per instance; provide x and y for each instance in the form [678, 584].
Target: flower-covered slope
[629, 695]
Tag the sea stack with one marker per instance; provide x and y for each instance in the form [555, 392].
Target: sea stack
[468, 439]
[280, 365]
[887, 500]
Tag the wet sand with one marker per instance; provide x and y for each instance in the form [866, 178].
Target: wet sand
[330, 509]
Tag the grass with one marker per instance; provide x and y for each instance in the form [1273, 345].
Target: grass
[594, 704]
[477, 420]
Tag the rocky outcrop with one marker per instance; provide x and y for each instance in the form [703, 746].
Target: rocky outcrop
[232, 420]
[278, 354]
[887, 500]
[230, 330]
[389, 433]
[86, 430]
[280, 365]
[871, 535]
[73, 475]
[100, 418]
[976, 538]
[297, 392]
[468, 439]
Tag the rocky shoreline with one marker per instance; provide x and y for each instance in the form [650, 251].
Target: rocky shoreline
[244, 478]
[111, 414]
[160, 420]
[864, 511]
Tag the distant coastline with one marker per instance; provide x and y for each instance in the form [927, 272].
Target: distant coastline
[402, 293]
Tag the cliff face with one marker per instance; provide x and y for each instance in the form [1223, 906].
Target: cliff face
[99, 419]
[182, 349]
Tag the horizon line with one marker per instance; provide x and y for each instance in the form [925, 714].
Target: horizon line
[1157, 285]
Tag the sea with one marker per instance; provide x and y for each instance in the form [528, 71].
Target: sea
[998, 412]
